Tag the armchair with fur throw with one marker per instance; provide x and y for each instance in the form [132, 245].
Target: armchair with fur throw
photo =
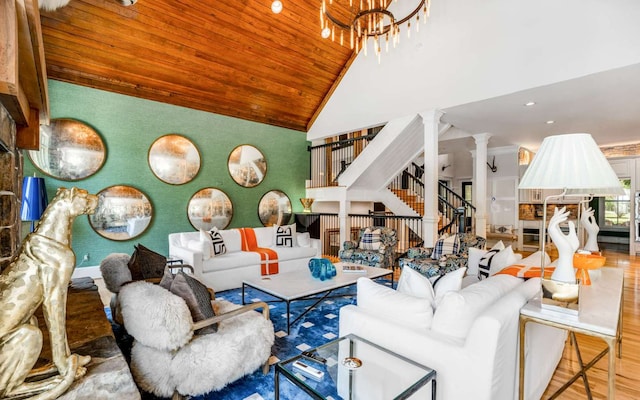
[168, 359]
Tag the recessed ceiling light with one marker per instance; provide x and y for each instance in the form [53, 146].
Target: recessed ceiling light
[550, 122]
[529, 104]
[276, 7]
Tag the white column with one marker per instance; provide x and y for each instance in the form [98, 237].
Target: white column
[430, 121]
[343, 216]
[480, 183]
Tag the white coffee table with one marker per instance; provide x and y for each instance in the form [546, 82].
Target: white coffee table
[300, 285]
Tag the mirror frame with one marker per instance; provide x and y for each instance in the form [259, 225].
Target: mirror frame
[242, 173]
[214, 219]
[75, 133]
[266, 212]
[183, 159]
[135, 220]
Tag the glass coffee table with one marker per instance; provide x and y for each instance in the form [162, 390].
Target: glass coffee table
[352, 368]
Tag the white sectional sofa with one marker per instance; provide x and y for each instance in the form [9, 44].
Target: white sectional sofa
[228, 270]
[470, 339]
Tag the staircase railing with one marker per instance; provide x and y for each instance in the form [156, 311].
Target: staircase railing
[457, 213]
[330, 160]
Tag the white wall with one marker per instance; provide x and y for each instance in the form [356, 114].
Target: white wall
[473, 50]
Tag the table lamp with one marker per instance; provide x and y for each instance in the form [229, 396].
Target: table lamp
[575, 164]
[34, 199]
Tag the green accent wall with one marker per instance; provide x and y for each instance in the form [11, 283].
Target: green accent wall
[129, 125]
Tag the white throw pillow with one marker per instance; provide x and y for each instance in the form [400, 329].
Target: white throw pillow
[473, 261]
[533, 260]
[205, 238]
[232, 240]
[384, 302]
[457, 310]
[303, 239]
[451, 282]
[413, 283]
[484, 265]
[217, 241]
[285, 235]
[503, 259]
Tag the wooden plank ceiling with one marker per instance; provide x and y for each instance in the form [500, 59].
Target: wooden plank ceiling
[232, 57]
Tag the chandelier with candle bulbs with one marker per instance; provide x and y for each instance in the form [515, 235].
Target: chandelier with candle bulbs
[368, 19]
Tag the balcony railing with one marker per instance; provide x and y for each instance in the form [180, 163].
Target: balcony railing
[330, 160]
[326, 227]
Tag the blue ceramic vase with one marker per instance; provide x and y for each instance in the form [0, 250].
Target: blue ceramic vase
[322, 269]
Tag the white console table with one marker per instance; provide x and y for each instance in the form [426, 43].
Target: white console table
[600, 316]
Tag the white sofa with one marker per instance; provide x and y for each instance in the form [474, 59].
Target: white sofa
[228, 270]
[471, 339]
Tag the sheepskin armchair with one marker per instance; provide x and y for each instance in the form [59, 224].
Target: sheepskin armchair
[168, 359]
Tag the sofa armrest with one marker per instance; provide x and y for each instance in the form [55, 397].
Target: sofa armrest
[349, 245]
[190, 257]
[230, 314]
[419, 252]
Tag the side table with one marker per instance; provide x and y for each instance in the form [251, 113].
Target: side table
[382, 374]
[600, 316]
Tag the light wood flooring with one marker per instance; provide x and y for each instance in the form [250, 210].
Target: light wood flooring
[628, 366]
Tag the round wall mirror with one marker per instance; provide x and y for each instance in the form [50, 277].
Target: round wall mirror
[274, 208]
[174, 159]
[123, 213]
[247, 165]
[208, 208]
[69, 150]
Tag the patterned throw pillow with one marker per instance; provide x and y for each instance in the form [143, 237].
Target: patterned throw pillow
[370, 240]
[285, 235]
[146, 263]
[445, 246]
[484, 267]
[197, 297]
[218, 243]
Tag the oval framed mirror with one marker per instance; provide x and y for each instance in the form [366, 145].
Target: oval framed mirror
[174, 159]
[274, 208]
[247, 166]
[69, 150]
[123, 213]
[208, 208]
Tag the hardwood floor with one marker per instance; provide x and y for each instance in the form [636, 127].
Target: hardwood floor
[628, 366]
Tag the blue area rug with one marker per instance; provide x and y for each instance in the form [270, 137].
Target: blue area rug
[317, 327]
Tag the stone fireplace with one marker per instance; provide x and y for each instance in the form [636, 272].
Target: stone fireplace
[10, 188]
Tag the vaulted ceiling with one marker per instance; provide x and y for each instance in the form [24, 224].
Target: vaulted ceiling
[232, 57]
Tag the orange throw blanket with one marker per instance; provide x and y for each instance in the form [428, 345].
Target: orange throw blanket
[522, 271]
[269, 258]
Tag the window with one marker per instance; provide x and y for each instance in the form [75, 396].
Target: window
[615, 211]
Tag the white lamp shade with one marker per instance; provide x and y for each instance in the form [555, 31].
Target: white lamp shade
[573, 162]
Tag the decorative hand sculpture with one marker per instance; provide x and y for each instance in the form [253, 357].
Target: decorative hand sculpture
[589, 223]
[566, 245]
